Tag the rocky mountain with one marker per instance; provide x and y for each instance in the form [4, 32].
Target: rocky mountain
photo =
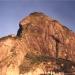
[42, 46]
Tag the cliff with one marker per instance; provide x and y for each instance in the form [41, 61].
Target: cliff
[42, 45]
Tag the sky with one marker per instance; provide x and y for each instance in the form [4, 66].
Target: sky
[12, 11]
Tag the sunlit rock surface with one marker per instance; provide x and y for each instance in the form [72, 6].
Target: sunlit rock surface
[42, 46]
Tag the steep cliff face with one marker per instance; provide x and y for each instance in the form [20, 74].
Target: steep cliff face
[40, 46]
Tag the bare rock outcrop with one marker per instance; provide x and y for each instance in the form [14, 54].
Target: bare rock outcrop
[40, 46]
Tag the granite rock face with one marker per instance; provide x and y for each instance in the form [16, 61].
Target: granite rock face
[40, 46]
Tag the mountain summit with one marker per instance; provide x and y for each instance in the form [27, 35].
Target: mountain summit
[42, 46]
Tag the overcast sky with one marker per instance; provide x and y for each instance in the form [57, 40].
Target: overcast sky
[12, 11]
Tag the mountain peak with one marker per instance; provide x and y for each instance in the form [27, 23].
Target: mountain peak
[42, 45]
